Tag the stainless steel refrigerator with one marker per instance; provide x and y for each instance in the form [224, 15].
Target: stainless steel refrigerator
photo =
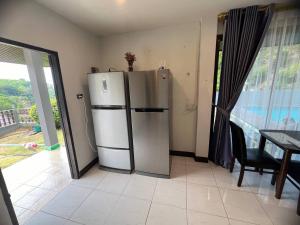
[149, 103]
[110, 110]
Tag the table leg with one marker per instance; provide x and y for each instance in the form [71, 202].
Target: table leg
[298, 207]
[262, 143]
[282, 173]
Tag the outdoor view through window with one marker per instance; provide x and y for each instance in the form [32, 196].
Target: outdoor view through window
[20, 132]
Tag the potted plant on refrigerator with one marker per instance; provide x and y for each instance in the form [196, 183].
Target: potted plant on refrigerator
[130, 59]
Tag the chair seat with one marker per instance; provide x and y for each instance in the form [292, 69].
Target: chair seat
[266, 161]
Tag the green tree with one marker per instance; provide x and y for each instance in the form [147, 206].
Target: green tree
[34, 114]
[18, 94]
[15, 94]
[6, 103]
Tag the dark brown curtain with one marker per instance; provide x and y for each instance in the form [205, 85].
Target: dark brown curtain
[245, 29]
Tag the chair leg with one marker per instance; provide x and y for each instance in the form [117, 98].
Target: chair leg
[261, 171]
[232, 165]
[241, 176]
[273, 181]
[298, 207]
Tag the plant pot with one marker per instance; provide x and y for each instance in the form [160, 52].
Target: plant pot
[130, 66]
[37, 128]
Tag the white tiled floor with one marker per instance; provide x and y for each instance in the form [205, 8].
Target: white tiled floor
[196, 194]
[33, 182]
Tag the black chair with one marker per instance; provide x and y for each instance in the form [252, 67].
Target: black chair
[250, 157]
[294, 173]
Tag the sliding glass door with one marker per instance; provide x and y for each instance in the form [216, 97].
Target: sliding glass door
[271, 95]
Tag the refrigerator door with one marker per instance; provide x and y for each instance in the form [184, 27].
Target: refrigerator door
[111, 128]
[107, 89]
[151, 141]
[114, 158]
[149, 89]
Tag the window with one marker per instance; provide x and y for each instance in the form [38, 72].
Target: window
[271, 95]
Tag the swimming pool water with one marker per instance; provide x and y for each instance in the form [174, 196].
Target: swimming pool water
[278, 113]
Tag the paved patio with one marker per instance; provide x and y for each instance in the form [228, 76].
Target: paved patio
[34, 181]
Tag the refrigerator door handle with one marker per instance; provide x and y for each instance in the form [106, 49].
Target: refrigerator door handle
[148, 110]
[108, 107]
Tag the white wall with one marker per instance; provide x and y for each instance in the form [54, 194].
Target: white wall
[28, 22]
[178, 47]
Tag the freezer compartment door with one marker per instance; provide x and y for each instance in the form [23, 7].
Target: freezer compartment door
[107, 88]
[114, 158]
[149, 89]
[111, 128]
[151, 141]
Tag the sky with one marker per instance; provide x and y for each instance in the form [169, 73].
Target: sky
[13, 71]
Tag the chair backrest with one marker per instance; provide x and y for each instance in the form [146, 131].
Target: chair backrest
[239, 148]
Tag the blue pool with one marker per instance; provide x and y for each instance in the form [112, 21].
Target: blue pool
[278, 113]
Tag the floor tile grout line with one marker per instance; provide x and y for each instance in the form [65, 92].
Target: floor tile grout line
[221, 196]
[219, 189]
[233, 189]
[23, 211]
[266, 213]
[23, 222]
[126, 184]
[32, 209]
[255, 199]
[51, 214]
[91, 191]
[111, 210]
[151, 201]
[15, 203]
[30, 185]
[243, 221]
[70, 217]
[186, 184]
[210, 214]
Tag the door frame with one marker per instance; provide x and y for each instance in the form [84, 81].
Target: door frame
[61, 102]
[213, 109]
[7, 201]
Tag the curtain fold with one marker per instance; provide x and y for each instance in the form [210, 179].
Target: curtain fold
[245, 31]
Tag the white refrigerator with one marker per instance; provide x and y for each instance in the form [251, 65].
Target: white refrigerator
[111, 118]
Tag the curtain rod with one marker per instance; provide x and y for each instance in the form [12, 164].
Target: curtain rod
[278, 7]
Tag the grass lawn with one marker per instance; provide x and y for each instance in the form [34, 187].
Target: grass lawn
[12, 154]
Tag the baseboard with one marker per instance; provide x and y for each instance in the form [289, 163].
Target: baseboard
[201, 159]
[172, 152]
[152, 174]
[182, 153]
[115, 170]
[189, 154]
[89, 166]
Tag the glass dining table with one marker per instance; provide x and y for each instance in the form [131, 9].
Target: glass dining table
[289, 143]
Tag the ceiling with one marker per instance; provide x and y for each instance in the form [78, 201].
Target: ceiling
[107, 17]
[13, 54]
